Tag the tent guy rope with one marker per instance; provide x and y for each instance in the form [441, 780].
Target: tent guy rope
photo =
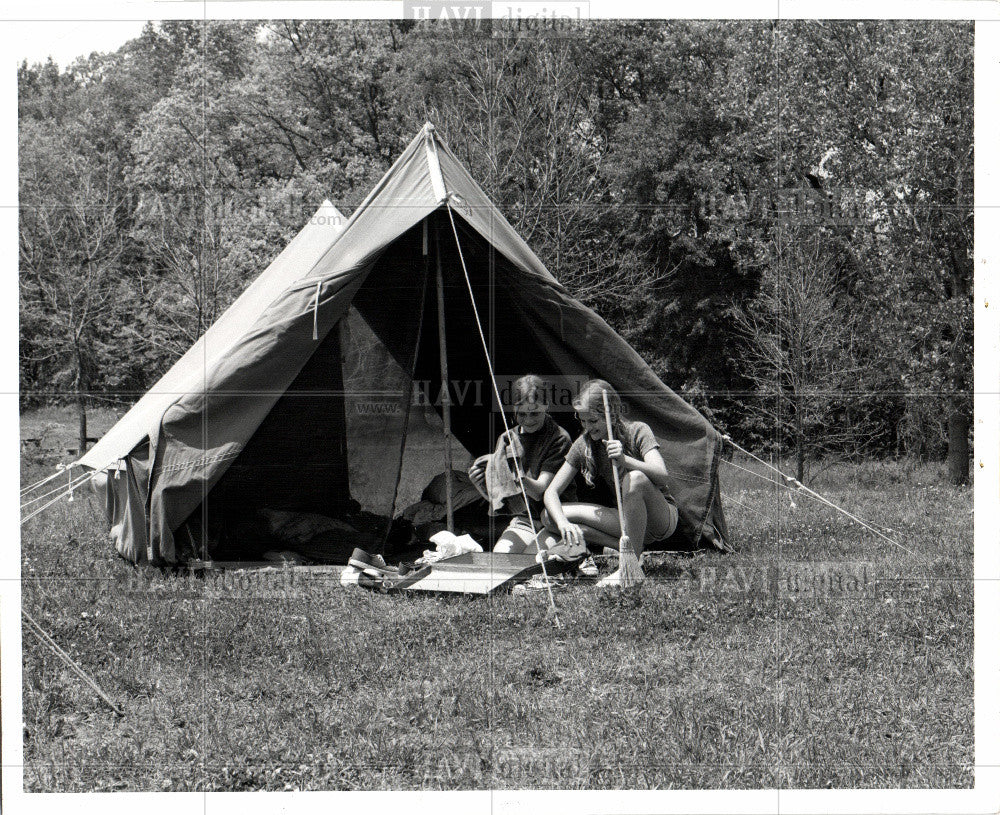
[59, 469]
[80, 481]
[77, 479]
[794, 484]
[53, 646]
[503, 416]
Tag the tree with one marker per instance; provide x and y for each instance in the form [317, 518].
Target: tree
[641, 160]
[191, 207]
[521, 113]
[801, 352]
[316, 101]
[887, 109]
[72, 205]
[687, 111]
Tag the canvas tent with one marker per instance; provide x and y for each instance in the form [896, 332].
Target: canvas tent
[302, 396]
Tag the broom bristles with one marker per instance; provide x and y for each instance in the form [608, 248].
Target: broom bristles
[629, 573]
[630, 570]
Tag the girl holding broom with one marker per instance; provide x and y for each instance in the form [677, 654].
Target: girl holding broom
[650, 513]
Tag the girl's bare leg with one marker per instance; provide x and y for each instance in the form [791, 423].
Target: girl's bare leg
[647, 511]
[599, 524]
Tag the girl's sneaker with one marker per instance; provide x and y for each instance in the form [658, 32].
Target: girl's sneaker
[588, 568]
[353, 576]
[372, 565]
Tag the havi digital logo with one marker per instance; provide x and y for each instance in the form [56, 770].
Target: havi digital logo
[438, 10]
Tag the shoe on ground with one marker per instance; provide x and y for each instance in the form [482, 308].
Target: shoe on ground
[406, 578]
[372, 565]
[352, 576]
[588, 567]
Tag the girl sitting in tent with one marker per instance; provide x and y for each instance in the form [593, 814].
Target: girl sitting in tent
[527, 457]
[650, 511]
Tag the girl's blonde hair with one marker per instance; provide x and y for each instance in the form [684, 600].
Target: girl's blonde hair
[529, 388]
[591, 399]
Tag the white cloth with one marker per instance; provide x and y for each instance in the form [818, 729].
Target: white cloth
[448, 545]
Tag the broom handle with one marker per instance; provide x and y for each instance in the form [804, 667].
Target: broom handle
[614, 466]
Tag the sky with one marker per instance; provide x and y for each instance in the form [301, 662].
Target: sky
[65, 40]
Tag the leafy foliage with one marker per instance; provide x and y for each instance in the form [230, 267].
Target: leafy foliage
[649, 164]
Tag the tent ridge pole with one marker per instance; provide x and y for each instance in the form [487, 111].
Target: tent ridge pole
[445, 390]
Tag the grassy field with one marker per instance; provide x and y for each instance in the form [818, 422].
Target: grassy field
[818, 656]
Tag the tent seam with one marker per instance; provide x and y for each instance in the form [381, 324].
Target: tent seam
[200, 462]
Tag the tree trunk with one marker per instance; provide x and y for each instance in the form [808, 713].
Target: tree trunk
[800, 442]
[958, 442]
[81, 412]
[81, 405]
[959, 419]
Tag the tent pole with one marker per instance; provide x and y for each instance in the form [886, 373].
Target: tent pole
[445, 391]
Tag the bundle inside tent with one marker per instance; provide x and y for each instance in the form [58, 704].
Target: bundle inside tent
[300, 399]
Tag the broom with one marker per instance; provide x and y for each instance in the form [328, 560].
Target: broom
[629, 572]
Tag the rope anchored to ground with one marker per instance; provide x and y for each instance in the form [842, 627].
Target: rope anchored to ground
[793, 484]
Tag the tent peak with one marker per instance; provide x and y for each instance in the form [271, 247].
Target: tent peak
[433, 165]
[329, 211]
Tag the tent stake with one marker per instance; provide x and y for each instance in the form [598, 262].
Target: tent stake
[445, 392]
